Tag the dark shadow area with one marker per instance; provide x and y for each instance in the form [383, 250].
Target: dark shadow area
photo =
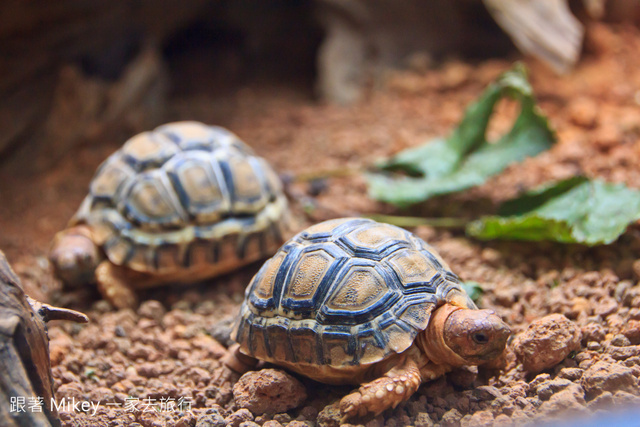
[234, 43]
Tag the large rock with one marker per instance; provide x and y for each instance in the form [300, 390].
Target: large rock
[567, 401]
[268, 391]
[605, 376]
[547, 342]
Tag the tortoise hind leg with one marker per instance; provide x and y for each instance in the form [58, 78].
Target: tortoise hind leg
[114, 284]
[237, 361]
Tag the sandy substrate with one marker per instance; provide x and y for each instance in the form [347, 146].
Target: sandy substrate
[165, 353]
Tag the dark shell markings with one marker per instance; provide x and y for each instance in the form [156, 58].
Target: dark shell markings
[344, 292]
[182, 195]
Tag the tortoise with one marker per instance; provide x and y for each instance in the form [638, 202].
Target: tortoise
[181, 203]
[354, 301]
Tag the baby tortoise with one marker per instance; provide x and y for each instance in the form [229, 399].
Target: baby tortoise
[182, 203]
[353, 301]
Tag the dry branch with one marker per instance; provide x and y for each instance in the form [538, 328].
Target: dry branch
[25, 369]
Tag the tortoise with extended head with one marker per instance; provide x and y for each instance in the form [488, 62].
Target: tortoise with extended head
[353, 301]
[182, 203]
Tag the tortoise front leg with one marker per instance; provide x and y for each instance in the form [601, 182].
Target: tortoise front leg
[114, 284]
[386, 392]
[397, 379]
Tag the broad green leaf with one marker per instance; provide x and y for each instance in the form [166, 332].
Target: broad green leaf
[576, 210]
[473, 289]
[466, 158]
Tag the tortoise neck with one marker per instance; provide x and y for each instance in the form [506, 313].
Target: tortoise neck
[432, 342]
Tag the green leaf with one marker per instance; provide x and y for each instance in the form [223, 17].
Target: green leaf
[576, 210]
[466, 158]
[473, 289]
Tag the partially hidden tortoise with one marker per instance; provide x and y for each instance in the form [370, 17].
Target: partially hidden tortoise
[181, 203]
[354, 301]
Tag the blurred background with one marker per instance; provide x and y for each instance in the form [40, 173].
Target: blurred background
[74, 69]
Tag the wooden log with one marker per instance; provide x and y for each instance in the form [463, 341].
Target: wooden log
[545, 29]
[26, 387]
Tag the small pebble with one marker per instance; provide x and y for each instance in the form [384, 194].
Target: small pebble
[620, 341]
[594, 346]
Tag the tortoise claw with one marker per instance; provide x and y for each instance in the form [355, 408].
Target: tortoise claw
[351, 406]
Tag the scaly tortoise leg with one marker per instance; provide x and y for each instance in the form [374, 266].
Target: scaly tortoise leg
[237, 361]
[113, 283]
[388, 391]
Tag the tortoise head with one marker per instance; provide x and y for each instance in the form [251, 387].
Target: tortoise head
[74, 256]
[459, 336]
[477, 336]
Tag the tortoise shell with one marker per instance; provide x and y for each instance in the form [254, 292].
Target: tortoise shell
[342, 293]
[182, 196]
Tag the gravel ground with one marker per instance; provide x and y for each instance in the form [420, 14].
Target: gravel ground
[574, 311]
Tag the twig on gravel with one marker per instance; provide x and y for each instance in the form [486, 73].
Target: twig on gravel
[413, 221]
[328, 173]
